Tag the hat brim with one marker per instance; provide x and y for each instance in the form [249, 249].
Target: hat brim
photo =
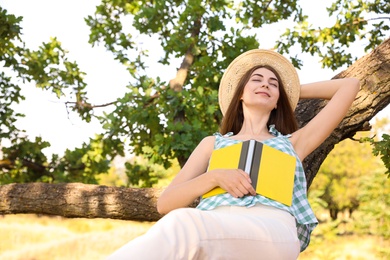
[246, 61]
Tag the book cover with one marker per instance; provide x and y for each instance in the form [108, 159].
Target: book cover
[271, 170]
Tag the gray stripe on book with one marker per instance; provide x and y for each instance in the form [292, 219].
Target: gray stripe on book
[254, 174]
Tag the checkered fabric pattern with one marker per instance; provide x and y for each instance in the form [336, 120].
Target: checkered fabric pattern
[300, 208]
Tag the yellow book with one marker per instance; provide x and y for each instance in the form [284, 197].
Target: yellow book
[271, 170]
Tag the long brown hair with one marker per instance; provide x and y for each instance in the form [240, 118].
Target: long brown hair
[283, 117]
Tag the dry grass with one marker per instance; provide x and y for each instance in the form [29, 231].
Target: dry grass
[31, 237]
[39, 238]
[351, 247]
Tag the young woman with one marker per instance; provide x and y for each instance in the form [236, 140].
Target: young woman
[258, 94]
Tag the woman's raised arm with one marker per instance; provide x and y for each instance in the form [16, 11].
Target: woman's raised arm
[340, 93]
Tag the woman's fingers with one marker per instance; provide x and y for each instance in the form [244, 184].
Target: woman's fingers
[237, 183]
[247, 184]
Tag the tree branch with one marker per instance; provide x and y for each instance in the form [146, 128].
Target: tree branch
[177, 83]
[88, 105]
[74, 200]
[79, 200]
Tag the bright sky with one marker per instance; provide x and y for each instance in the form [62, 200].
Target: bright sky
[46, 116]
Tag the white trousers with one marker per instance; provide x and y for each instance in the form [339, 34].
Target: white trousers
[227, 232]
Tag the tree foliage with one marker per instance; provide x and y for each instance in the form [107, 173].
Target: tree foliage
[341, 182]
[381, 148]
[162, 121]
[373, 216]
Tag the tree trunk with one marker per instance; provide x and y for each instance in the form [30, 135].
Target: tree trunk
[92, 201]
[373, 71]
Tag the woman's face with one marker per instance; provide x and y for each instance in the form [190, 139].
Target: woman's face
[262, 90]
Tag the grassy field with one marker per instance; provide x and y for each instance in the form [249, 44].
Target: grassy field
[31, 237]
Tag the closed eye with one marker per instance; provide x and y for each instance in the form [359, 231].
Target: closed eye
[259, 78]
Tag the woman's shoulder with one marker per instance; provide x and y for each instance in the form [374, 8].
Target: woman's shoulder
[216, 138]
[208, 141]
[205, 146]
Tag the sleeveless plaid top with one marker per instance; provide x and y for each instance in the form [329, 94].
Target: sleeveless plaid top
[300, 208]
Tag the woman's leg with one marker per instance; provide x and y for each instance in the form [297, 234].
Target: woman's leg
[228, 232]
[175, 236]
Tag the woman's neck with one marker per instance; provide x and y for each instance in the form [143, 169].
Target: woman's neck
[254, 127]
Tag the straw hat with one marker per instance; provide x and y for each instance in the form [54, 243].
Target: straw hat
[240, 65]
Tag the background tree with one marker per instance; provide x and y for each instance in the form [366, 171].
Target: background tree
[163, 121]
[373, 216]
[340, 183]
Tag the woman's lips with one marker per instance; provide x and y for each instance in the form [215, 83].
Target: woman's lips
[262, 93]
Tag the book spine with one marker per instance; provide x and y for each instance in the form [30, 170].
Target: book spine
[256, 161]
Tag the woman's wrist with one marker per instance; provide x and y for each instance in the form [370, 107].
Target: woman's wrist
[325, 89]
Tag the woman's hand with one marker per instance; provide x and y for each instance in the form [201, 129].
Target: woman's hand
[234, 181]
